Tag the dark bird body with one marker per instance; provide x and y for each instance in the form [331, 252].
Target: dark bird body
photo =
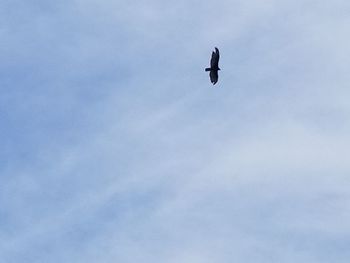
[214, 66]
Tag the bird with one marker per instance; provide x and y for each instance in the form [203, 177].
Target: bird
[214, 66]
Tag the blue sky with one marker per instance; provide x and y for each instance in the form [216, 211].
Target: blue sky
[116, 147]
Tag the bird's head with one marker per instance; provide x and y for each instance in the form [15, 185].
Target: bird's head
[219, 69]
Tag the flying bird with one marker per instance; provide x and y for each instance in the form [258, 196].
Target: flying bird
[214, 66]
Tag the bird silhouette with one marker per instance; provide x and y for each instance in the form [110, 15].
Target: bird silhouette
[214, 66]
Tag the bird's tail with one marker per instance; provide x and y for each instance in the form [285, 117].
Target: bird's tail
[207, 69]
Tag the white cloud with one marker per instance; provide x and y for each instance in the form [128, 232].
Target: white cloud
[118, 148]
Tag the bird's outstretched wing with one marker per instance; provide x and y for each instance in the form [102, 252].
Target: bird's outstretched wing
[214, 76]
[215, 56]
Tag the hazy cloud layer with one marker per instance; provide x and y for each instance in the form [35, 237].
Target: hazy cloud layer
[116, 148]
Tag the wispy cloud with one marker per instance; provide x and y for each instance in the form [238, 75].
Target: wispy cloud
[116, 148]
